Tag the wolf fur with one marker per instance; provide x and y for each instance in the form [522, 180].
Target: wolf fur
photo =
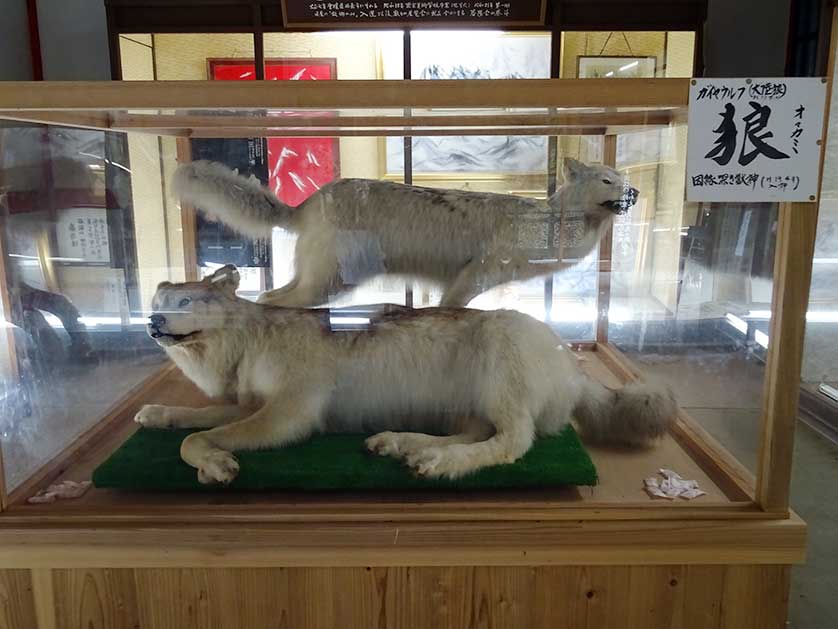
[354, 229]
[449, 391]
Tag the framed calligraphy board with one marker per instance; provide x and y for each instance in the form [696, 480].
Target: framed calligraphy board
[755, 139]
[378, 13]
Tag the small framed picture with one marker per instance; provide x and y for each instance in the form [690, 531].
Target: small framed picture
[639, 147]
[616, 67]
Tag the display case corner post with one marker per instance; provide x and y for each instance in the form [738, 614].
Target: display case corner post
[796, 226]
[6, 313]
[188, 219]
[603, 300]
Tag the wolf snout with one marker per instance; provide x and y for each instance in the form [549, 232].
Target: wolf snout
[628, 199]
[153, 328]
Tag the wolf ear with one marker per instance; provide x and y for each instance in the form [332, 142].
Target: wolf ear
[572, 168]
[163, 285]
[226, 278]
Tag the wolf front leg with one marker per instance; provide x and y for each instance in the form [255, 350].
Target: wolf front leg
[157, 416]
[404, 444]
[469, 283]
[479, 276]
[317, 276]
[276, 424]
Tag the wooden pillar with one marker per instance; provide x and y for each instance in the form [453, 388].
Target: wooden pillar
[603, 299]
[188, 220]
[797, 225]
[6, 312]
[792, 275]
[407, 64]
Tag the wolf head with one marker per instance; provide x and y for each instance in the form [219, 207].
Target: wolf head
[596, 189]
[187, 312]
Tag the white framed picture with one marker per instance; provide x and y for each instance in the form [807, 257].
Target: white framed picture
[608, 67]
[438, 54]
[638, 147]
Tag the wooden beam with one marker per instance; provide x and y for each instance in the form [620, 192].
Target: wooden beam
[332, 95]
[301, 120]
[345, 544]
[224, 132]
[80, 120]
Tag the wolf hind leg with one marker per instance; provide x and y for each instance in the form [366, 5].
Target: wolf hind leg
[514, 437]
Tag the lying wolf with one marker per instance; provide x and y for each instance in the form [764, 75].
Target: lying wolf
[354, 229]
[475, 388]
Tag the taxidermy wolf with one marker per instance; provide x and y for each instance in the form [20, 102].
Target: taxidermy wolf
[354, 229]
[449, 391]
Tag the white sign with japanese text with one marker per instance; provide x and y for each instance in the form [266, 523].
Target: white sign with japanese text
[82, 235]
[755, 139]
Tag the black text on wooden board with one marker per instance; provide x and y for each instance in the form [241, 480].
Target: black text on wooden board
[329, 13]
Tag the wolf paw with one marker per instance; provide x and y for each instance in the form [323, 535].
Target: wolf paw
[218, 466]
[451, 462]
[384, 444]
[427, 463]
[153, 416]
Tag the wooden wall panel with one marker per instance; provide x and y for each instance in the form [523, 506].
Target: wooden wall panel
[656, 597]
[571, 586]
[17, 605]
[566, 597]
[101, 598]
[702, 597]
[768, 592]
[503, 598]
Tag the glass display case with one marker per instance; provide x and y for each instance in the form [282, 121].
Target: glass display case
[706, 298]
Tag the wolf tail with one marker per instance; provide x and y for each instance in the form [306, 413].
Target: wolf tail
[634, 415]
[241, 202]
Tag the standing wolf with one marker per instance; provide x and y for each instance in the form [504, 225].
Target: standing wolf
[354, 229]
[476, 387]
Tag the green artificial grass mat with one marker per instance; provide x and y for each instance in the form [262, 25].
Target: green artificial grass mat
[150, 461]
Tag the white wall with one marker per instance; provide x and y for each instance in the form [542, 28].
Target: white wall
[15, 60]
[746, 38]
[74, 40]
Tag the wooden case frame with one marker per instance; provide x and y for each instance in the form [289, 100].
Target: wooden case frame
[755, 527]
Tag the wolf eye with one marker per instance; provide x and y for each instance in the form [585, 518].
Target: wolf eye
[184, 302]
[607, 182]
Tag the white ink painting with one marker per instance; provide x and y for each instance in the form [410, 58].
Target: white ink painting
[475, 55]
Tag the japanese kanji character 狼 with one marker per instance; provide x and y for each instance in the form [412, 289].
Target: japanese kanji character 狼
[725, 145]
[755, 124]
